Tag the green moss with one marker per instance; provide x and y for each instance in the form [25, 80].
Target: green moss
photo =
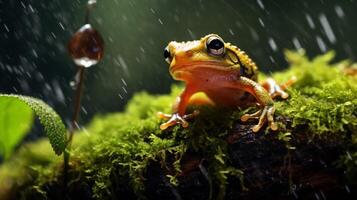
[118, 147]
[323, 98]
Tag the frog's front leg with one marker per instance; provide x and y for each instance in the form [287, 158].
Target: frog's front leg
[266, 112]
[179, 108]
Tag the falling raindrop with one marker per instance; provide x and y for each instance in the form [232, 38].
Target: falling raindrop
[339, 12]
[126, 92]
[347, 189]
[310, 21]
[321, 44]
[7, 28]
[317, 196]
[122, 80]
[123, 65]
[272, 44]
[327, 28]
[261, 22]
[192, 35]
[231, 31]
[73, 85]
[61, 25]
[296, 43]
[261, 5]
[323, 195]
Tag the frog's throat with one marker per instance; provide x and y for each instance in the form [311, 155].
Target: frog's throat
[187, 71]
[200, 66]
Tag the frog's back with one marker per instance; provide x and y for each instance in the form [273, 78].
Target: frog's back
[248, 68]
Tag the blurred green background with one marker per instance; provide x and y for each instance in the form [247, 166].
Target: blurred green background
[34, 34]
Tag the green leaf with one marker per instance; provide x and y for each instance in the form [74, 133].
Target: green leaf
[16, 118]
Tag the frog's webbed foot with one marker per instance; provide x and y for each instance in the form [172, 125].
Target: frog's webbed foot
[265, 114]
[276, 90]
[175, 118]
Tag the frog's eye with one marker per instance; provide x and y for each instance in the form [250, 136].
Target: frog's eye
[215, 46]
[167, 55]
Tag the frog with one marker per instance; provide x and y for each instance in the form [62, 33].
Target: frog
[225, 75]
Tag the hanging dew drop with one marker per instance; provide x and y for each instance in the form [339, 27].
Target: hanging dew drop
[86, 47]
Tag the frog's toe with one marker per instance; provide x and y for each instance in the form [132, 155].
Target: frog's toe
[262, 119]
[255, 115]
[265, 114]
[166, 125]
[270, 115]
[176, 119]
[162, 115]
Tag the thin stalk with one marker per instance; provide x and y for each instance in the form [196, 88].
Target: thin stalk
[77, 106]
[90, 5]
[77, 103]
[86, 19]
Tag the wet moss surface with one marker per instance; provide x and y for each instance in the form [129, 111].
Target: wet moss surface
[126, 156]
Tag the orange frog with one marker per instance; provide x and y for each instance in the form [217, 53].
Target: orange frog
[224, 74]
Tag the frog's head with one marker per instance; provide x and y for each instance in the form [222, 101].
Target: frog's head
[210, 52]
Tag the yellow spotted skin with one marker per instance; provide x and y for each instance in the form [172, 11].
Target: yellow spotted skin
[249, 68]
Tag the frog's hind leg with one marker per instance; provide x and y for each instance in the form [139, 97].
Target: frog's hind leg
[266, 103]
[275, 89]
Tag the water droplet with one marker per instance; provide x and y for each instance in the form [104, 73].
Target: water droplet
[84, 110]
[260, 3]
[73, 85]
[321, 44]
[347, 189]
[261, 22]
[86, 46]
[231, 31]
[272, 44]
[297, 43]
[310, 21]
[7, 28]
[327, 28]
[317, 196]
[122, 80]
[124, 89]
[339, 12]
[61, 25]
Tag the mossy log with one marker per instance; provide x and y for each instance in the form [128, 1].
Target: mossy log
[126, 156]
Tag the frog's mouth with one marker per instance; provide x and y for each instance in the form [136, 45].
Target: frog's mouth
[179, 72]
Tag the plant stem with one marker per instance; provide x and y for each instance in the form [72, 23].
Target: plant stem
[77, 106]
[77, 103]
[86, 19]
